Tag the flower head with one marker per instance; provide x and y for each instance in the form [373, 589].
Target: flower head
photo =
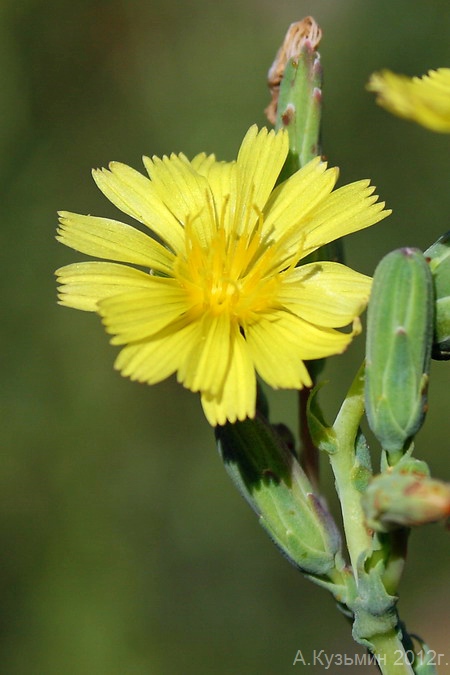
[425, 100]
[221, 297]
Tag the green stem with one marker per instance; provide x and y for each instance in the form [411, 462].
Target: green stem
[390, 654]
[385, 644]
[357, 537]
[343, 462]
[309, 454]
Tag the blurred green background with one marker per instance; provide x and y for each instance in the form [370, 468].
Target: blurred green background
[124, 548]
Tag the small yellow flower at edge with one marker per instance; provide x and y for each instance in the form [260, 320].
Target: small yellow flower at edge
[221, 298]
[425, 100]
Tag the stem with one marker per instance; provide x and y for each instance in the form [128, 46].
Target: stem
[385, 645]
[309, 455]
[390, 654]
[357, 535]
[343, 462]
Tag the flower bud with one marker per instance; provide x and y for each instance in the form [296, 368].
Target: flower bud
[269, 477]
[405, 496]
[399, 335]
[438, 256]
[295, 81]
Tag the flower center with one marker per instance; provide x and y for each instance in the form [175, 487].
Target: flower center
[232, 273]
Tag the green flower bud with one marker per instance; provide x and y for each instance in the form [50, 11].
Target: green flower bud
[399, 336]
[438, 256]
[295, 80]
[405, 496]
[272, 481]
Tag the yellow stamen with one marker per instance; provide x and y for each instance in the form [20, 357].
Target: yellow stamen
[231, 274]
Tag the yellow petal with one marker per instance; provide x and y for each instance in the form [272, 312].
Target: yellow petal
[220, 177]
[135, 195]
[293, 200]
[202, 163]
[153, 360]
[260, 160]
[349, 209]
[276, 356]
[237, 398]
[110, 239]
[316, 342]
[325, 293]
[208, 360]
[137, 314]
[280, 344]
[184, 191]
[85, 284]
[424, 100]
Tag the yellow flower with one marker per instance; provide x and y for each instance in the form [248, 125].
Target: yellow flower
[425, 100]
[221, 298]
